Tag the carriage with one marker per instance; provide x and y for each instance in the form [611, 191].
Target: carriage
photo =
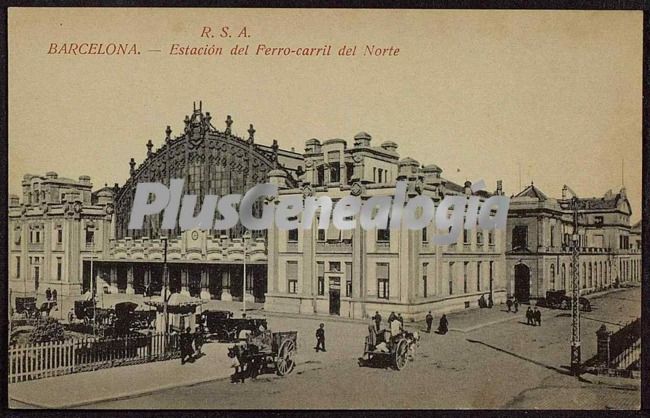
[559, 299]
[388, 350]
[222, 326]
[268, 351]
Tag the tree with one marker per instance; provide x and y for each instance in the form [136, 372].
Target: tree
[46, 331]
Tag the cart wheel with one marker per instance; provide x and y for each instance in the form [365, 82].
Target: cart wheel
[401, 352]
[284, 362]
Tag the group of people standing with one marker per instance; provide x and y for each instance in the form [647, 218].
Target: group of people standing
[50, 294]
[187, 338]
[533, 316]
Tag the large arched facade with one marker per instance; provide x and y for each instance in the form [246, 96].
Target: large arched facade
[211, 162]
[201, 263]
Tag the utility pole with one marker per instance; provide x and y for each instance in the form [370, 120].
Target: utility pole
[575, 288]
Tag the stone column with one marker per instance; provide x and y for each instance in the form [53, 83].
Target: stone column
[225, 284]
[112, 280]
[184, 282]
[147, 280]
[249, 284]
[205, 284]
[129, 281]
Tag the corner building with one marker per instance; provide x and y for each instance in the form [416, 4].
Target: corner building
[357, 272]
[539, 252]
[54, 231]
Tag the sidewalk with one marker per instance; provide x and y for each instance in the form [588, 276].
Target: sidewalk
[85, 388]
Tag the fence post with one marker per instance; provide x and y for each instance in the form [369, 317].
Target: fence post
[604, 337]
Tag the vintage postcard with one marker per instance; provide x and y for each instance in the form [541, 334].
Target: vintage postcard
[324, 209]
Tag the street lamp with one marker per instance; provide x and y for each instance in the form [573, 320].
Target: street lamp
[575, 287]
[245, 238]
[165, 284]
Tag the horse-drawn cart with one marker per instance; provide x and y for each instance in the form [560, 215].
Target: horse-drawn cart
[268, 351]
[388, 350]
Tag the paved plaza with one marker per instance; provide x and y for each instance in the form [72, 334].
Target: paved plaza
[489, 359]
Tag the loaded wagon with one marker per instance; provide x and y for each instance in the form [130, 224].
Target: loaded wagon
[388, 350]
[268, 350]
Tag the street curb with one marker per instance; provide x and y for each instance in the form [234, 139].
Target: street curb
[615, 382]
[120, 396]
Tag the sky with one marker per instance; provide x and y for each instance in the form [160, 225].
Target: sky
[553, 97]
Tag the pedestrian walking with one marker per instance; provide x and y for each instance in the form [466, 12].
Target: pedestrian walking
[198, 340]
[429, 319]
[71, 315]
[509, 304]
[320, 338]
[443, 325]
[537, 315]
[391, 318]
[186, 345]
[48, 293]
[400, 319]
[372, 335]
[377, 319]
[54, 295]
[529, 316]
[515, 304]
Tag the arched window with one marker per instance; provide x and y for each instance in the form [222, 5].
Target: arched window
[552, 284]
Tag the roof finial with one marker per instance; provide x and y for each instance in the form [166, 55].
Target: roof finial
[132, 164]
[251, 133]
[229, 122]
[149, 146]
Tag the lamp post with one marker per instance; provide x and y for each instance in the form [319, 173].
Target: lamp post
[245, 237]
[575, 288]
[165, 284]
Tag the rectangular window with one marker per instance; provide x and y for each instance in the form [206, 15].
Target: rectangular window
[490, 237]
[335, 166]
[292, 276]
[451, 278]
[321, 235]
[293, 235]
[466, 236]
[90, 237]
[18, 266]
[36, 272]
[478, 276]
[348, 279]
[335, 266]
[383, 284]
[59, 236]
[383, 235]
[479, 237]
[320, 273]
[380, 172]
[59, 268]
[520, 237]
[424, 235]
[425, 267]
[465, 266]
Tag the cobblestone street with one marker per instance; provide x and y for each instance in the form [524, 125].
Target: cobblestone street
[506, 364]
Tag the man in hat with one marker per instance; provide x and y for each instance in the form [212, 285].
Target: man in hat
[429, 319]
[377, 319]
[320, 338]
